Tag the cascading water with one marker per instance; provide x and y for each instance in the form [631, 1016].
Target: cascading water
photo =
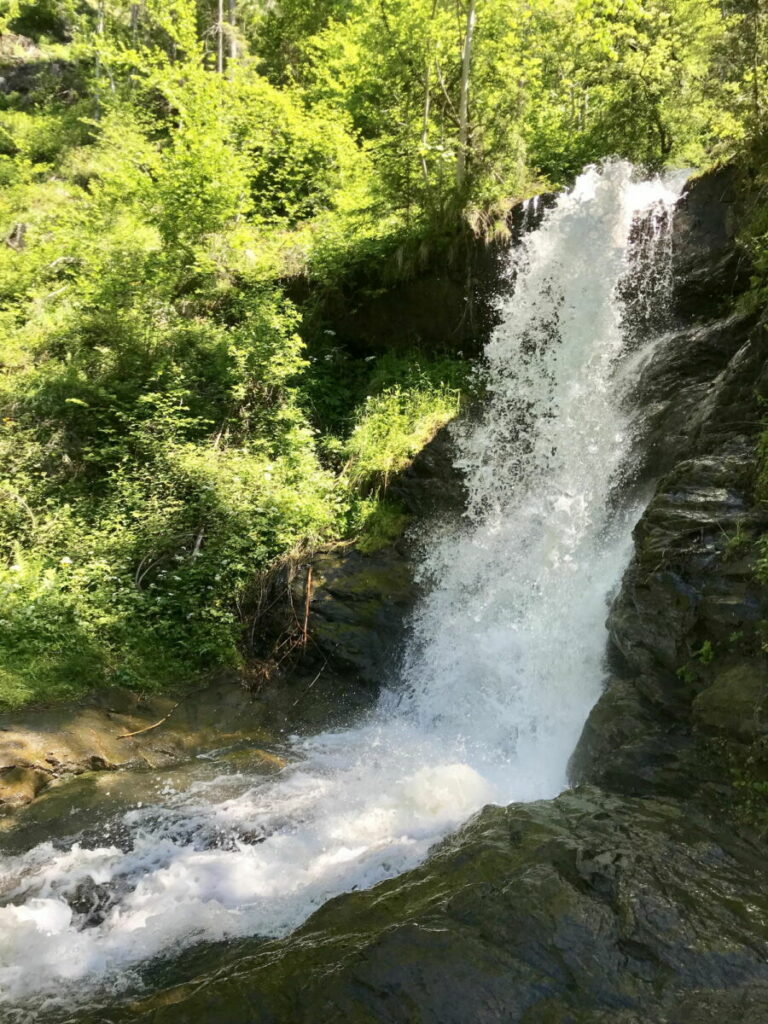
[505, 662]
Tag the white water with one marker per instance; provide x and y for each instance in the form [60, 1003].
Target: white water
[505, 663]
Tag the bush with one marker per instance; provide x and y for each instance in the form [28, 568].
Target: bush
[392, 427]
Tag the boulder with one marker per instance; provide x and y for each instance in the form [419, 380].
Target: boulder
[360, 601]
[359, 608]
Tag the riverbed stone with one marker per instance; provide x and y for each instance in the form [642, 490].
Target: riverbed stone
[19, 785]
[118, 728]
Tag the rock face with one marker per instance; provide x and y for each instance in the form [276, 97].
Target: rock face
[589, 909]
[359, 607]
[360, 601]
[686, 628]
[631, 899]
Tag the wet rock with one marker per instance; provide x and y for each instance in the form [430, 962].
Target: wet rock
[39, 747]
[698, 391]
[587, 908]
[431, 485]
[690, 594]
[92, 901]
[360, 601]
[359, 608]
[736, 701]
[711, 268]
[687, 623]
[19, 785]
[628, 747]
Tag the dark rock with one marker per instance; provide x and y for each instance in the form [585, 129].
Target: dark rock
[359, 607]
[736, 701]
[710, 266]
[446, 302]
[360, 601]
[691, 599]
[431, 485]
[628, 747]
[587, 908]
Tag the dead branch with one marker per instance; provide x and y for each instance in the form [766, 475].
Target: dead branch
[148, 728]
[307, 602]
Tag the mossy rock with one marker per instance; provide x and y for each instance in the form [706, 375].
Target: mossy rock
[359, 608]
[588, 909]
[19, 785]
[735, 702]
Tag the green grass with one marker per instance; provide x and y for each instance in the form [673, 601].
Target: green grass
[382, 522]
[392, 427]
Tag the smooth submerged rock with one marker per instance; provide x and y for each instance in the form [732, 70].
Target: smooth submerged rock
[43, 748]
[19, 785]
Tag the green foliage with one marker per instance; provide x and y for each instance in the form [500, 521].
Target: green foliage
[392, 427]
[164, 433]
[686, 674]
[338, 383]
[739, 542]
[637, 82]
[377, 523]
[706, 653]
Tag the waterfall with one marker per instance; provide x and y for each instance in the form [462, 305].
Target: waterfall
[504, 664]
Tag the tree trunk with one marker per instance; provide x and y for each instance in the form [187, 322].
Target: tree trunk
[425, 125]
[220, 39]
[466, 64]
[97, 69]
[757, 62]
[231, 15]
[134, 24]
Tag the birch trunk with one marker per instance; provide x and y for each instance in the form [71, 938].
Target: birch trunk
[425, 126]
[231, 15]
[220, 39]
[466, 64]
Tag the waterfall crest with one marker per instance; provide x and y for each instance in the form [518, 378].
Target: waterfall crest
[504, 666]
